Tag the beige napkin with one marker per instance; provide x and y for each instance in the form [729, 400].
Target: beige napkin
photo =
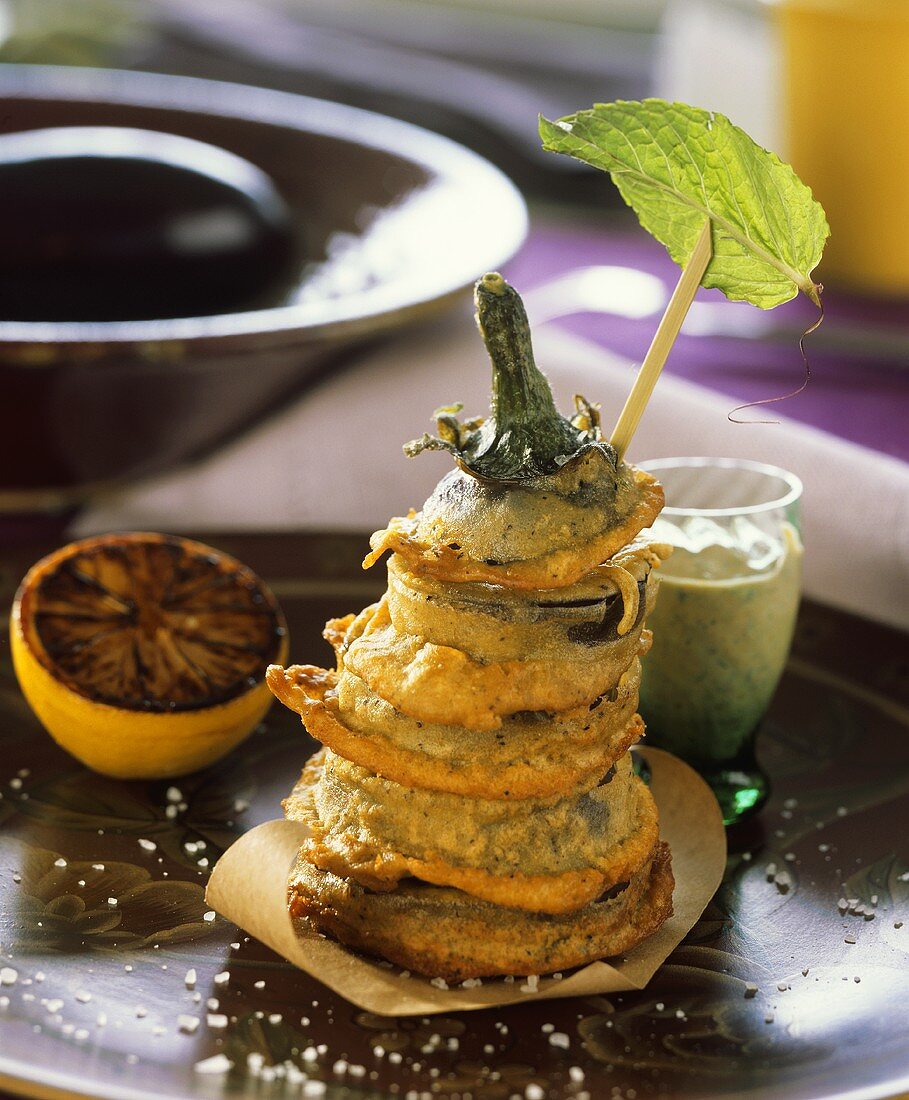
[332, 459]
[249, 886]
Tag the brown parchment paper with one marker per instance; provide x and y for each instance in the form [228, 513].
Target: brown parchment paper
[249, 887]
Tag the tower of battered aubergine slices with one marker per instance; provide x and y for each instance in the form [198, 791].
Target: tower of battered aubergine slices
[474, 810]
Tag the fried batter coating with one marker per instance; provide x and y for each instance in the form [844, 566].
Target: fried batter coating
[550, 855]
[532, 755]
[434, 683]
[494, 623]
[515, 537]
[442, 932]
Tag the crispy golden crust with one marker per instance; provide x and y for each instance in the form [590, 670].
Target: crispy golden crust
[556, 569]
[531, 758]
[442, 685]
[444, 933]
[491, 623]
[359, 854]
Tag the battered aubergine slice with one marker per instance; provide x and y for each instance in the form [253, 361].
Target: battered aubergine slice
[496, 623]
[446, 933]
[533, 754]
[436, 683]
[538, 501]
[546, 855]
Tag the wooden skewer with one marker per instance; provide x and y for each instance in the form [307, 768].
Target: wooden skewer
[663, 339]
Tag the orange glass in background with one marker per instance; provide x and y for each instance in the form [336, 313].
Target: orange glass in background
[845, 66]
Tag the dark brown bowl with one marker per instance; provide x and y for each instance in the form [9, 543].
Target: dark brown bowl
[398, 221]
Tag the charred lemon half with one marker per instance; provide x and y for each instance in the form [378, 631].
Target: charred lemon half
[144, 655]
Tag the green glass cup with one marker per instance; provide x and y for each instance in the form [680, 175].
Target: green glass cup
[724, 617]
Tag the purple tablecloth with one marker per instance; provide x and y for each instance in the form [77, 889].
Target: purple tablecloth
[864, 399]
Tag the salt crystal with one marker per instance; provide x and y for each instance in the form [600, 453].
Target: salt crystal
[60, 862]
[222, 978]
[112, 902]
[190, 980]
[101, 1020]
[559, 1039]
[8, 976]
[54, 1006]
[212, 1004]
[147, 845]
[534, 1092]
[750, 990]
[217, 1019]
[174, 794]
[81, 1034]
[97, 866]
[531, 985]
[439, 983]
[218, 1063]
[314, 1088]
[770, 871]
[275, 1018]
[576, 1074]
[141, 1012]
[170, 812]
[83, 996]
[259, 984]
[255, 1061]
[188, 1024]
[339, 1067]
[849, 939]
[209, 916]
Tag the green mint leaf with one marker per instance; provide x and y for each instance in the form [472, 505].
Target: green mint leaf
[676, 165]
